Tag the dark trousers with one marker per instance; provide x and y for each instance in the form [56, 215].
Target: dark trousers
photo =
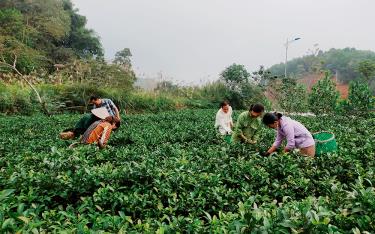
[83, 124]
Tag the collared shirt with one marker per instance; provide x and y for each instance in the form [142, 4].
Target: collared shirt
[224, 121]
[109, 105]
[294, 132]
[99, 131]
[247, 126]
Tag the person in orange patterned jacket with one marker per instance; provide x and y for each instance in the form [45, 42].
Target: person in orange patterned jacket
[100, 131]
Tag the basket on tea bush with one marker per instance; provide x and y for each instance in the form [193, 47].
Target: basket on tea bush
[228, 138]
[325, 142]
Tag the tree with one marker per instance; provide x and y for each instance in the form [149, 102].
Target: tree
[122, 58]
[85, 43]
[343, 61]
[11, 23]
[51, 27]
[359, 99]
[98, 73]
[234, 76]
[27, 59]
[250, 94]
[167, 86]
[263, 77]
[291, 96]
[324, 96]
[367, 69]
[240, 91]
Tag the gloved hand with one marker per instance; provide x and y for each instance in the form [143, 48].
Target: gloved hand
[265, 154]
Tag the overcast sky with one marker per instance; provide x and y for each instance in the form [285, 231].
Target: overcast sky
[193, 40]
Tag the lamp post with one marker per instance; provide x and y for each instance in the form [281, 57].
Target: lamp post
[286, 50]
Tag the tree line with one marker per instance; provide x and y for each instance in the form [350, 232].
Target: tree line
[348, 63]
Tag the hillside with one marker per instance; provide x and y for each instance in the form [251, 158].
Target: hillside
[343, 62]
[42, 33]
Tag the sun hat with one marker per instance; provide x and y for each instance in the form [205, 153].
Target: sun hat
[101, 112]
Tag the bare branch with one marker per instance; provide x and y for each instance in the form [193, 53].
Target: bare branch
[15, 60]
[14, 68]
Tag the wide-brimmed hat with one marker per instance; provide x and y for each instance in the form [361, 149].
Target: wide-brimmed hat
[101, 112]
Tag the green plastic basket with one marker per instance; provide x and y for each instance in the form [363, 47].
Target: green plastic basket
[325, 142]
[228, 138]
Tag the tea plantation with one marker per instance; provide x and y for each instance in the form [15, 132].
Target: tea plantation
[170, 173]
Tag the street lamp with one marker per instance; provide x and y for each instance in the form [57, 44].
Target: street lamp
[286, 50]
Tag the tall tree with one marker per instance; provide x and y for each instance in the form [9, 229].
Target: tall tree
[234, 76]
[240, 91]
[122, 58]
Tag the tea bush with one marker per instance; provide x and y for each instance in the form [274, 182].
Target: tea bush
[170, 172]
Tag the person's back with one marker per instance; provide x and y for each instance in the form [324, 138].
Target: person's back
[302, 136]
[99, 132]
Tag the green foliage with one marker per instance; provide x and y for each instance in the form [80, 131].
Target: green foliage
[359, 100]
[290, 96]
[143, 102]
[83, 41]
[123, 58]
[49, 28]
[170, 172]
[11, 23]
[263, 77]
[324, 96]
[249, 94]
[367, 69]
[234, 76]
[64, 98]
[13, 99]
[97, 73]
[215, 92]
[27, 59]
[343, 61]
[239, 91]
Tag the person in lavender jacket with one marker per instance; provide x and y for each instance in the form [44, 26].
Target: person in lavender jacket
[294, 132]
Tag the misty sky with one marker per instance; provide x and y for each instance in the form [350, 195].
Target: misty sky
[195, 40]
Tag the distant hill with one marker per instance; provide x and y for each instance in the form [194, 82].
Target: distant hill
[310, 80]
[343, 62]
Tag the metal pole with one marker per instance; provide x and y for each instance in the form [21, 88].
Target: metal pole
[286, 55]
[286, 51]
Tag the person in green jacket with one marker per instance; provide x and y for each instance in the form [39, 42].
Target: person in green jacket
[248, 125]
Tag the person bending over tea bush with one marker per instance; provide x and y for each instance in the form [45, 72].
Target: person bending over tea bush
[84, 123]
[248, 125]
[294, 132]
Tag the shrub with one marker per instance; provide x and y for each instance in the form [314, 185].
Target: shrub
[291, 97]
[15, 99]
[359, 97]
[324, 96]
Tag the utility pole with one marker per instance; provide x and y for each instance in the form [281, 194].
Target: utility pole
[286, 51]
